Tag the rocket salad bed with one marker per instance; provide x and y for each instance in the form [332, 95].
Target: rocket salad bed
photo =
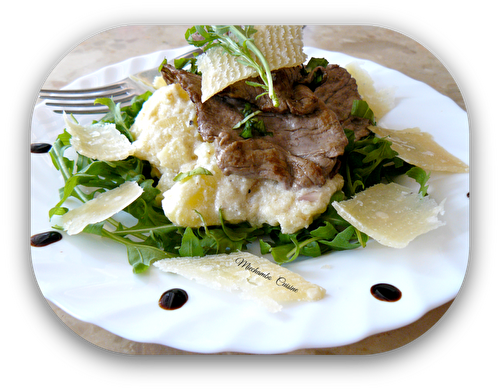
[153, 237]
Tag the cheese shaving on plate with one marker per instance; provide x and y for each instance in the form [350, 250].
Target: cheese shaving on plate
[380, 101]
[99, 141]
[420, 149]
[254, 278]
[100, 208]
[391, 214]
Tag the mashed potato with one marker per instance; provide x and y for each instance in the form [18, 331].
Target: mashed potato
[166, 135]
[166, 132]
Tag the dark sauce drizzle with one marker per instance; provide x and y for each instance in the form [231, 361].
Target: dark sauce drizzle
[40, 147]
[386, 292]
[45, 238]
[173, 299]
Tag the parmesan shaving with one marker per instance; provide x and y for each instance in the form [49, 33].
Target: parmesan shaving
[380, 102]
[100, 208]
[391, 214]
[255, 278]
[280, 45]
[99, 141]
[419, 148]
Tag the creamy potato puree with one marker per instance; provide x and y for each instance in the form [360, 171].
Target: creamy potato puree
[166, 135]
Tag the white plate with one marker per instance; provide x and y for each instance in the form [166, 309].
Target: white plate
[90, 278]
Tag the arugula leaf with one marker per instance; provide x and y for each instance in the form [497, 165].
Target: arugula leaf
[421, 177]
[265, 248]
[191, 245]
[362, 237]
[343, 241]
[162, 64]
[141, 255]
[147, 209]
[247, 112]
[368, 161]
[375, 152]
[251, 126]
[324, 232]
[197, 171]
[236, 41]
[328, 232]
[188, 64]
[123, 117]
[317, 77]
[361, 109]
[115, 110]
[315, 62]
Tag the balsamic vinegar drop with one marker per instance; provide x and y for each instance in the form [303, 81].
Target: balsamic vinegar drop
[386, 292]
[45, 238]
[173, 299]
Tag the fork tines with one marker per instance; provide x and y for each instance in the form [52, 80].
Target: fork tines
[82, 101]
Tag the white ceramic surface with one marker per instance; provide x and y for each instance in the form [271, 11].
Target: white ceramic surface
[90, 278]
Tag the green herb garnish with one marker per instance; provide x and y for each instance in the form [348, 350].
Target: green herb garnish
[421, 177]
[187, 64]
[317, 77]
[236, 41]
[197, 171]
[252, 126]
[361, 109]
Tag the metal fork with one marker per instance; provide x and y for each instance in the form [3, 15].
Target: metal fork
[81, 101]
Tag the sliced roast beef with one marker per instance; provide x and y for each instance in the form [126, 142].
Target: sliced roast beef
[293, 97]
[338, 90]
[261, 158]
[303, 100]
[308, 144]
[190, 82]
[307, 137]
[218, 114]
